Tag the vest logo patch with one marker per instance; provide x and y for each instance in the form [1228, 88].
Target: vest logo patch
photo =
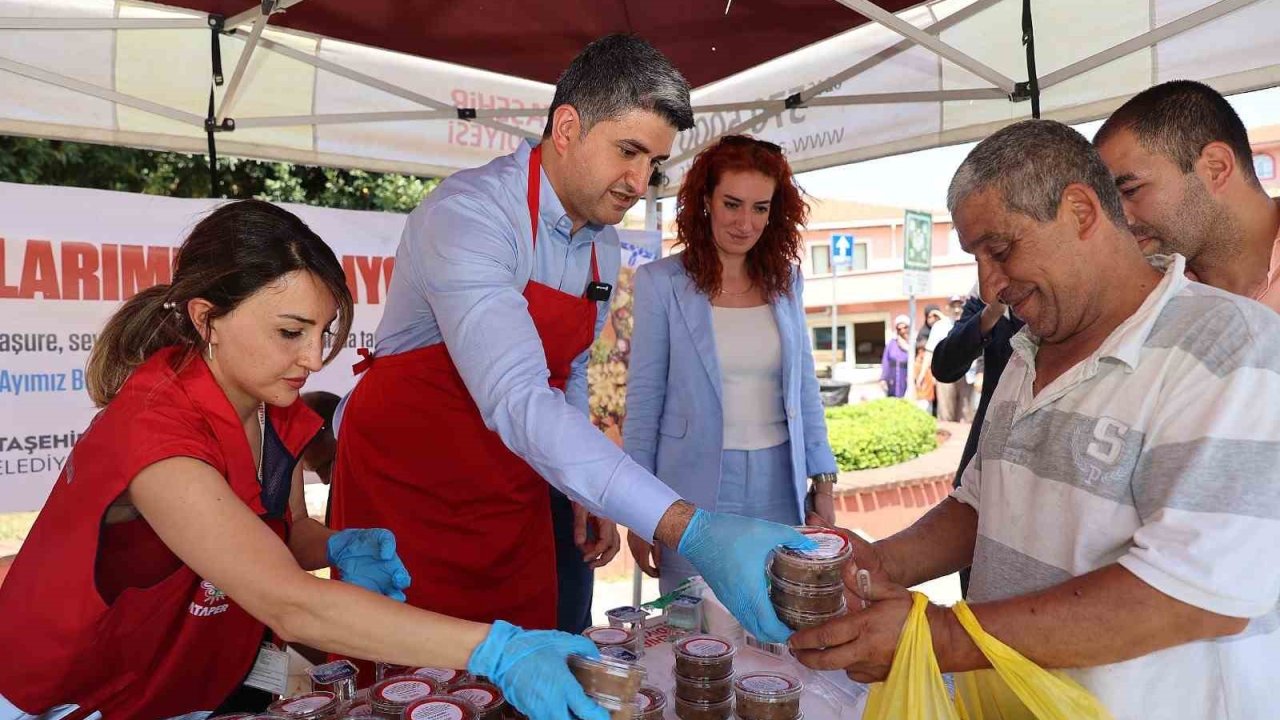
[212, 601]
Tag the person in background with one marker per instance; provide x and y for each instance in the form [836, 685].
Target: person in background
[931, 314]
[926, 388]
[897, 352]
[1121, 513]
[174, 551]
[722, 398]
[1182, 161]
[950, 395]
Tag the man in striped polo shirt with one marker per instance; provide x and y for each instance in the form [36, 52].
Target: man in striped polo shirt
[1122, 514]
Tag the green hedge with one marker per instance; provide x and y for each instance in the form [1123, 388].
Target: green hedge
[879, 432]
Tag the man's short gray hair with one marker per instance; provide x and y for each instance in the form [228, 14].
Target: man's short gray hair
[620, 73]
[1030, 163]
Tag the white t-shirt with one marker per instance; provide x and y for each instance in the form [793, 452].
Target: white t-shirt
[1160, 452]
[749, 351]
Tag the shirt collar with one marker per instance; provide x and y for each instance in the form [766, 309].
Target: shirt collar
[1126, 341]
[551, 211]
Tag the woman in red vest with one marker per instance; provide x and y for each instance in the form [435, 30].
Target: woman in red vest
[174, 550]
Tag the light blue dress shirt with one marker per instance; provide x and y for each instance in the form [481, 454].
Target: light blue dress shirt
[463, 262]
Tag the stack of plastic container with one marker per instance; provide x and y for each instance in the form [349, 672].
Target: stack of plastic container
[704, 677]
[807, 586]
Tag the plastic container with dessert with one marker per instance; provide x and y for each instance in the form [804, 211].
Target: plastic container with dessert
[319, 705]
[651, 703]
[801, 620]
[703, 657]
[798, 597]
[823, 565]
[767, 696]
[486, 697]
[686, 710]
[604, 636]
[704, 691]
[444, 678]
[605, 677]
[441, 707]
[390, 697]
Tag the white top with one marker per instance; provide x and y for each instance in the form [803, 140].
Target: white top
[750, 354]
[939, 332]
[1159, 452]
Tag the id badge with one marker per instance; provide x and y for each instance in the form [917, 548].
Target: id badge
[271, 670]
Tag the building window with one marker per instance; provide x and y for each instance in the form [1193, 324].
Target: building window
[820, 257]
[1264, 166]
[868, 339]
[822, 342]
[860, 256]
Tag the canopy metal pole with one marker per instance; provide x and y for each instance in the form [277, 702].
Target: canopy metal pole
[230, 97]
[252, 14]
[70, 83]
[902, 27]
[804, 97]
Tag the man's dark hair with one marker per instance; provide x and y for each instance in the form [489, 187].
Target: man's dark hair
[1030, 164]
[620, 73]
[1178, 119]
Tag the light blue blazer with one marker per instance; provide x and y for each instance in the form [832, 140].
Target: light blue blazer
[675, 420]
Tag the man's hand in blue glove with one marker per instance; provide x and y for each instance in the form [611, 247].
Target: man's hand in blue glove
[731, 552]
[531, 669]
[368, 558]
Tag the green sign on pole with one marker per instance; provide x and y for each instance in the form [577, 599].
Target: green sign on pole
[918, 232]
[917, 256]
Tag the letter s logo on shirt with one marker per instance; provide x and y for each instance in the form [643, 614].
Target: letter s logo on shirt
[1108, 435]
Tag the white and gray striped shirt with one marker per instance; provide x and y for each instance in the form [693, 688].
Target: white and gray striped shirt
[1160, 452]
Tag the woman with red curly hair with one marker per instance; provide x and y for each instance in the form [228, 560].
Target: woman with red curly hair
[722, 399]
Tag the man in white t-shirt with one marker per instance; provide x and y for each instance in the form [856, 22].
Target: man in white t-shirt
[1122, 514]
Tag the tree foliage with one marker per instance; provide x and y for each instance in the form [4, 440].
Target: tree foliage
[105, 167]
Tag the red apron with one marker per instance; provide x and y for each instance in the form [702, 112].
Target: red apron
[471, 519]
[108, 618]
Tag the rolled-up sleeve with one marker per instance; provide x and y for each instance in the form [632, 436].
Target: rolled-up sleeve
[467, 266]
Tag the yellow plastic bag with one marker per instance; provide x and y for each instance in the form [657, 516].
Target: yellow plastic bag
[1014, 689]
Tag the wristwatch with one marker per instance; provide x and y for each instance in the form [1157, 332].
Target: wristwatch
[823, 478]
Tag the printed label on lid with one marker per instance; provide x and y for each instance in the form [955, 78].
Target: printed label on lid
[332, 672]
[479, 697]
[619, 653]
[405, 691]
[306, 704]
[766, 684]
[444, 675]
[705, 647]
[643, 702]
[830, 545]
[612, 636]
[436, 710]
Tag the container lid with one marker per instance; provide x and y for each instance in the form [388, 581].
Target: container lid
[400, 691]
[650, 699]
[332, 672]
[792, 587]
[627, 613]
[440, 675]
[483, 695]
[618, 652]
[304, 705]
[603, 635]
[440, 707]
[608, 665]
[359, 712]
[687, 601]
[833, 547]
[704, 649]
[769, 686]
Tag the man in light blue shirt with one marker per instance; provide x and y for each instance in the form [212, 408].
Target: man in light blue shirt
[476, 398]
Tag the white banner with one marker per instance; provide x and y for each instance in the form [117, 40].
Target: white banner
[69, 256]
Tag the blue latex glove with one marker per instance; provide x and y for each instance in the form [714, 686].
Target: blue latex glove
[368, 558]
[530, 667]
[731, 552]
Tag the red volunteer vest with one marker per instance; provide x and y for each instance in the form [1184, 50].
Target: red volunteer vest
[108, 618]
